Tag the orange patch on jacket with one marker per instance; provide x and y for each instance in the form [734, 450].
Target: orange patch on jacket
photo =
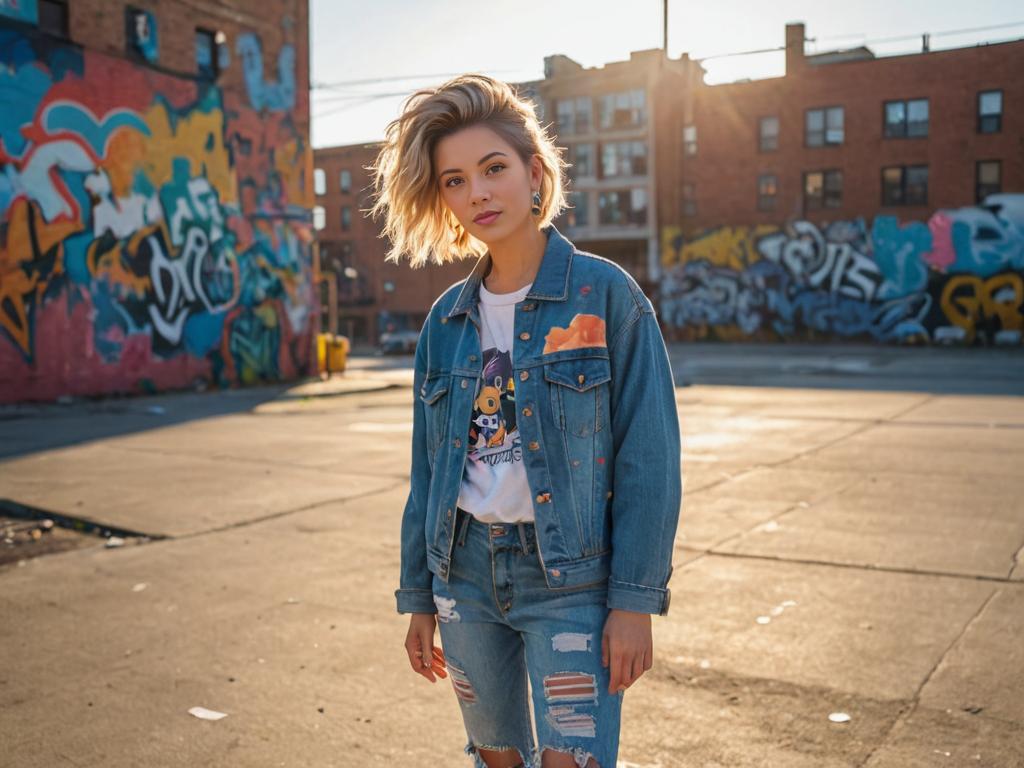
[583, 331]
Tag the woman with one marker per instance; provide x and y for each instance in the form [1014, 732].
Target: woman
[545, 483]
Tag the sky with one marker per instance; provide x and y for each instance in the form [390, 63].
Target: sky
[404, 45]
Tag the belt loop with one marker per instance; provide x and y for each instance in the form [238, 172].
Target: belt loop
[465, 526]
[522, 538]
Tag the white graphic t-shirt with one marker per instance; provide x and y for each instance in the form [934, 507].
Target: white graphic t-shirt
[494, 486]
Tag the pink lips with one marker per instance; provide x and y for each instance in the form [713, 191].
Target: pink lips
[490, 218]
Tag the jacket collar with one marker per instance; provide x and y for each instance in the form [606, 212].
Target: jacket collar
[551, 281]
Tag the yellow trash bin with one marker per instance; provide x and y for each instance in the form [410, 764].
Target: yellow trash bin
[337, 353]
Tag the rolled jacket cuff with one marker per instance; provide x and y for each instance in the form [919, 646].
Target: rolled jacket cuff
[624, 596]
[415, 601]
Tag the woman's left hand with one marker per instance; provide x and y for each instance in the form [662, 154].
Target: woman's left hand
[626, 645]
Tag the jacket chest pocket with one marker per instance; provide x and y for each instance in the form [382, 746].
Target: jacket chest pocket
[579, 393]
[434, 396]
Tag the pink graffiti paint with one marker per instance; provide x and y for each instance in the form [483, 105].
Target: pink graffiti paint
[942, 254]
[600, 459]
[569, 687]
[585, 290]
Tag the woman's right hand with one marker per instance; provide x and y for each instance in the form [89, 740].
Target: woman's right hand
[419, 644]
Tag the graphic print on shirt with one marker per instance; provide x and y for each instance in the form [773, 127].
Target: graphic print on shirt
[493, 434]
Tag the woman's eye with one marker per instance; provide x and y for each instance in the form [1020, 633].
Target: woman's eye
[449, 182]
[496, 165]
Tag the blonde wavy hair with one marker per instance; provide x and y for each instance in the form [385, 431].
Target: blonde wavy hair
[405, 184]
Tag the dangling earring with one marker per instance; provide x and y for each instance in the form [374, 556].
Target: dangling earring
[535, 209]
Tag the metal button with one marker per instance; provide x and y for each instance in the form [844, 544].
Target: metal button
[575, 462]
[555, 572]
[458, 443]
[449, 513]
[580, 378]
[608, 495]
[543, 497]
[472, 358]
[527, 411]
[465, 383]
[524, 335]
[528, 307]
[534, 445]
[524, 375]
[444, 319]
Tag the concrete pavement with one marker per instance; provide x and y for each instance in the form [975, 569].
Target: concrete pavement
[855, 545]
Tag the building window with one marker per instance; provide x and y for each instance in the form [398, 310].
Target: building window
[140, 34]
[824, 127]
[767, 189]
[623, 206]
[319, 181]
[769, 133]
[346, 217]
[823, 189]
[581, 161]
[626, 109]
[906, 119]
[576, 215]
[573, 115]
[345, 180]
[53, 17]
[623, 158]
[319, 217]
[988, 177]
[990, 112]
[689, 199]
[905, 185]
[690, 139]
[207, 58]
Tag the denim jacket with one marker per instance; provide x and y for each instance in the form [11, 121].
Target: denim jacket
[596, 411]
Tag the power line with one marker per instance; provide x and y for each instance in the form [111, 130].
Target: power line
[393, 78]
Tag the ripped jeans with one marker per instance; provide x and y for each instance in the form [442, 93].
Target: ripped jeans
[501, 626]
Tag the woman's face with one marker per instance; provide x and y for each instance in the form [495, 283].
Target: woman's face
[478, 171]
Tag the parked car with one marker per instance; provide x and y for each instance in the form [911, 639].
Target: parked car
[398, 342]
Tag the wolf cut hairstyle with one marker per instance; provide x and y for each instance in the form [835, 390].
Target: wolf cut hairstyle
[405, 182]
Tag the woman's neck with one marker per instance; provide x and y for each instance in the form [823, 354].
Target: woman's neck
[515, 260]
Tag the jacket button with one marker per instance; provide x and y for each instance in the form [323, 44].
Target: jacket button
[444, 319]
[555, 572]
[456, 442]
[543, 497]
[534, 445]
[449, 513]
[580, 378]
[609, 495]
[524, 375]
[472, 358]
[465, 383]
[527, 411]
[524, 335]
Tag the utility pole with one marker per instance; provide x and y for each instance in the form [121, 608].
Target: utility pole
[664, 26]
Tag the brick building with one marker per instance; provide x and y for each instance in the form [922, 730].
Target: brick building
[846, 134]
[855, 197]
[155, 196]
[373, 296]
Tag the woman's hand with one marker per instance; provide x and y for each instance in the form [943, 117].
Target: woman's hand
[627, 645]
[419, 644]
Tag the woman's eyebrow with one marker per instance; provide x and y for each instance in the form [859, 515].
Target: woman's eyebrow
[482, 160]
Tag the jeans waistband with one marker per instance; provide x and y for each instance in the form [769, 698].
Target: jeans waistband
[525, 530]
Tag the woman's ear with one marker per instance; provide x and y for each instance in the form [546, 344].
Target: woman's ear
[536, 171]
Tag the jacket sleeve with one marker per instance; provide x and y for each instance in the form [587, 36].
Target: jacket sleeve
[414, 594]
[647, 482]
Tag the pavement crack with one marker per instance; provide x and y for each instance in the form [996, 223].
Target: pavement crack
[912, 706]
[286, 512]
[854, 566]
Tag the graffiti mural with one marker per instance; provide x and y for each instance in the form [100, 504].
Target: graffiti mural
[152, 235]
[958, 278]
